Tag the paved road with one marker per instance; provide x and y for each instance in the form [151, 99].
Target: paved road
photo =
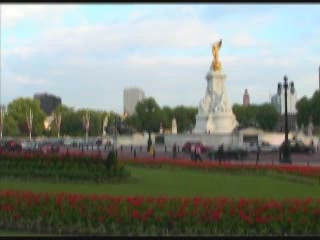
[162, 153]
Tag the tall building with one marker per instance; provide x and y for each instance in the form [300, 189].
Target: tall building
[246, 98]
[131, 96]
[278, 102]
[48, 102]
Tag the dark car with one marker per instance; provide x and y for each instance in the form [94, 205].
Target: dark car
[187, 146]
[299, 147]
[232, 152]
[99, 142]
[55, 147]
[10, 146]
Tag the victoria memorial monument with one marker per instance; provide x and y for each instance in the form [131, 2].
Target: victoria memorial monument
[215, 111]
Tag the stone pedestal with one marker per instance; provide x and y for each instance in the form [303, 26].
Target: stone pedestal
[215, 112]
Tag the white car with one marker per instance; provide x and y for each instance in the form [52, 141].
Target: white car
[264, 147]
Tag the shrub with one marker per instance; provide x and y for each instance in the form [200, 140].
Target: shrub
[111, 161]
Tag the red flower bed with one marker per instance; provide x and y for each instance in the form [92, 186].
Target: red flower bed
[101, 214]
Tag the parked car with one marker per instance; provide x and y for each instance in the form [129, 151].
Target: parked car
[55, 147]
[45, 148]
[187, 147]
[31, 146]
[10, 146]
[299, 147]
[232, 152]
[264, 147]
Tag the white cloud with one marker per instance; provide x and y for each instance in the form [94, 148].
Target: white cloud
[25, 80]
[168, 57]
[12, 14]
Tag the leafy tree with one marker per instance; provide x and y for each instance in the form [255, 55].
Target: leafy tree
[315, 108]
[267, 117]
[304, 111]
[10, 126]
[18, 109]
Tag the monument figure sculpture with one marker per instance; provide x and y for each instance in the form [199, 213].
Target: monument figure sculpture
[216, 64]
[215, 112]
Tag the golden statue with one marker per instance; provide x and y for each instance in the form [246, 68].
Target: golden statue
[216, 64]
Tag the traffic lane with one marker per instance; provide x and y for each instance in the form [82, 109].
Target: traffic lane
[303, 159]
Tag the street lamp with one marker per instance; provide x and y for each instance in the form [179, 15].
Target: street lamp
[149, 109]
[1, 121]
[286, 147]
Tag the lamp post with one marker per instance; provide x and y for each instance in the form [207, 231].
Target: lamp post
[1, 121]
[149, 109]
[86, 124]
[286, 147]
[57, 119]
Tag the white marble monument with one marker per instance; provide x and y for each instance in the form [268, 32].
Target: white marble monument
[215, 111]
[174, 129]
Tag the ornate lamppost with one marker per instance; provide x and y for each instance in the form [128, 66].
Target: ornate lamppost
[29, 122]
[286, 148]
[149, 110]
[1, 121]
[86, 124]
[57, 120]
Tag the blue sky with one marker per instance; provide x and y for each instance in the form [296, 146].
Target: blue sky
[87, 54]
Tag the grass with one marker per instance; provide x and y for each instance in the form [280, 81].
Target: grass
[24, 234]
[180, 182]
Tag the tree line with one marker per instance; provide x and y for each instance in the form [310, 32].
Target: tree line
[148, 114]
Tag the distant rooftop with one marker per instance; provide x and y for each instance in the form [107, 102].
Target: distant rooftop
[45, 94]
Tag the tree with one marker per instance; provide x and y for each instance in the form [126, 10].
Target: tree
[141, 116]
[315, 108]
[10, 126]
[304, 111]
[267, 117]
[18, 109]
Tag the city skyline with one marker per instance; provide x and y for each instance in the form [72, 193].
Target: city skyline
[87, 54]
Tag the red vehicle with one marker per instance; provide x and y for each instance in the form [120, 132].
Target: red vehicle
[187, 147]
[45, 148]
[10, 146]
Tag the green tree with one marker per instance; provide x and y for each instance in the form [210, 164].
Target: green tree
[267, 117]
[10, 126]
[142, 116]
[18, 109]
[315, 108]
[303, 107]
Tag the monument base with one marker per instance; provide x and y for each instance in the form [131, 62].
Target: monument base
[216, 122]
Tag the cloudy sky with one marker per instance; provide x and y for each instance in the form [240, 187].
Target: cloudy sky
[87, 54]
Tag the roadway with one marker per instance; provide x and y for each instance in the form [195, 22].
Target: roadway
[164, 153]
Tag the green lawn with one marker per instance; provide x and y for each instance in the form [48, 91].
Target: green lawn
[180, 182]
[22, 234]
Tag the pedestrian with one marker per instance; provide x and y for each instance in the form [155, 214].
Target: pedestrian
[220, 153]
[174, 150]
[198, 153]
[152, 151]
[192, 151]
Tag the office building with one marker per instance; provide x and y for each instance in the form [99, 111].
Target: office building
[278, 102]
[48, 102]
[131, 96]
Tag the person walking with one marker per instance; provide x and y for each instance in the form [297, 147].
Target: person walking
[193, 152]
[198, 153]
[174, 150]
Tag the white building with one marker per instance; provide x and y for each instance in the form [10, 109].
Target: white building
[131, 96]
[3, 108]
[278, 102]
